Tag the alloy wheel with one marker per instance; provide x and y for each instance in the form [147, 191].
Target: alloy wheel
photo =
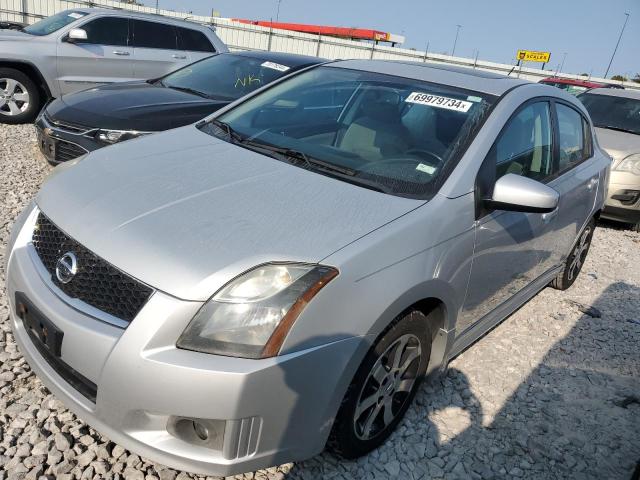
[14, 97]
[579, 253]
[387, 387]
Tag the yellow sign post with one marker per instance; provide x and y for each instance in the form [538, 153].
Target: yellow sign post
[531, 56]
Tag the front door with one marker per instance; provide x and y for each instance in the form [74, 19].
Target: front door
[105, 56]
[512, 249]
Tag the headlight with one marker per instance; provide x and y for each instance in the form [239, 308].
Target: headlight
[115, 136]
[630, 164]
[251, 315]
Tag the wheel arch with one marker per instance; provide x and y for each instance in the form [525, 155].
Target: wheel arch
[32, 72]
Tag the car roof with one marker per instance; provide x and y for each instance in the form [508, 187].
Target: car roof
[134, 14]
[616, 92]
[289, 59]
[461, 77]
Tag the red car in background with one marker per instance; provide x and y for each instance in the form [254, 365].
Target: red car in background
[575, 87]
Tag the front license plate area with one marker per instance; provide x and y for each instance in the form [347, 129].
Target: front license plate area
[44, 334]
[46, 144]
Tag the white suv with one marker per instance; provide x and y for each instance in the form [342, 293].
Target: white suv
[81, 48]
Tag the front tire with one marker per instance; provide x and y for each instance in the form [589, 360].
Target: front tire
[575, 261]
[19, 97]
[383, 387]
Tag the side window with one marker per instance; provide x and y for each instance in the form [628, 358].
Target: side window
[194, 41]
[108, 31]
[573, 148]
[525, 146]
[154, 35]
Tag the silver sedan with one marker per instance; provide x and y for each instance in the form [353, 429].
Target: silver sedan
[281, 276]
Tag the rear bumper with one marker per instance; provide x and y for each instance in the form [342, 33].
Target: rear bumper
[258, 413]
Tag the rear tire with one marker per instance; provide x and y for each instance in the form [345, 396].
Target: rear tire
[20, 98]
[576, 258]
[383, 387]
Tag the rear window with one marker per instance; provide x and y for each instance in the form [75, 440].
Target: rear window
[194, 41]
[613, 112]
[54, 23]
[154, 35]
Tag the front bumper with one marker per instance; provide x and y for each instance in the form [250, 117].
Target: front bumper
[259, 413]
[623, 199]
[60, 144]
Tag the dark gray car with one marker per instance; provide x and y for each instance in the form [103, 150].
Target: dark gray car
[241, 292]
[84, 47]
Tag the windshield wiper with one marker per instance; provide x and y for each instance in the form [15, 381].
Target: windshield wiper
[231, 133]
[188, 90]
[619, 129]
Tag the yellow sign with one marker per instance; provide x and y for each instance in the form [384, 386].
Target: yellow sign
[531, 56]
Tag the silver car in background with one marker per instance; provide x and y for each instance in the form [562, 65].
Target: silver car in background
[279, 277]
[616, 116]
[85, 47]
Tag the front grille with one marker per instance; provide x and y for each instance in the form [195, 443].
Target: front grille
[97, 282]
[66, 126]
[66, 151]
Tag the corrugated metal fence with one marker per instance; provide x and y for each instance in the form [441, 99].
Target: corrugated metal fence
[239, 36]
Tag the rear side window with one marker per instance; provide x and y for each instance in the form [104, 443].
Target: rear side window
[194, 41]
[571, 129]
[107, 31]
[525, 145]
[154, 35]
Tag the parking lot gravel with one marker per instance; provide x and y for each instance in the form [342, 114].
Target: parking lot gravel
[553, 392]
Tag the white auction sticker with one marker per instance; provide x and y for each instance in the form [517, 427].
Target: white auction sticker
[439, 101]
[426, 168]
[275, 66]
[76, 15]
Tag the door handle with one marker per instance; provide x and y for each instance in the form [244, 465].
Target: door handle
[179, 57]
[547, 217]
[122, 53]
[592, 183]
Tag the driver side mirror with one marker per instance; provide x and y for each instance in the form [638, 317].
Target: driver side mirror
[522, 194]
[76, 35]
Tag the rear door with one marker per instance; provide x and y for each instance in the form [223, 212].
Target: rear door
[578, 177]
[156, 51]
[105, 57]
[194, 43]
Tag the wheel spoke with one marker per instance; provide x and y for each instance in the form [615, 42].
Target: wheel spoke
[405, 385]
[366, 404]
[413, 354]
[387, 416]
[21, 97]
[379, 372]
[397, 355]
[10, 87]
[370, 419]
[13, 108]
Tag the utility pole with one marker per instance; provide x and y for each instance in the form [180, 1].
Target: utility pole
[278, 11]
[157, 6]
[456, 40]
[617, 44]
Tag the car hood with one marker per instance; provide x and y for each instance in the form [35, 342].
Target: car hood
[132, 106]
[618, 144]
[185, 212]
[8, 34]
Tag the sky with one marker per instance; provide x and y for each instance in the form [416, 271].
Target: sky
[586, 30]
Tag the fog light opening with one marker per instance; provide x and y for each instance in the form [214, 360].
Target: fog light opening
[201, 431]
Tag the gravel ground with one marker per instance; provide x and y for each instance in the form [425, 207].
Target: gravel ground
[553, 392]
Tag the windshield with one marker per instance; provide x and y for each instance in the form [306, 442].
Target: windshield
[572, 89]
[616, 113]
[54, 23]
[226, 76]
[392, 134]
